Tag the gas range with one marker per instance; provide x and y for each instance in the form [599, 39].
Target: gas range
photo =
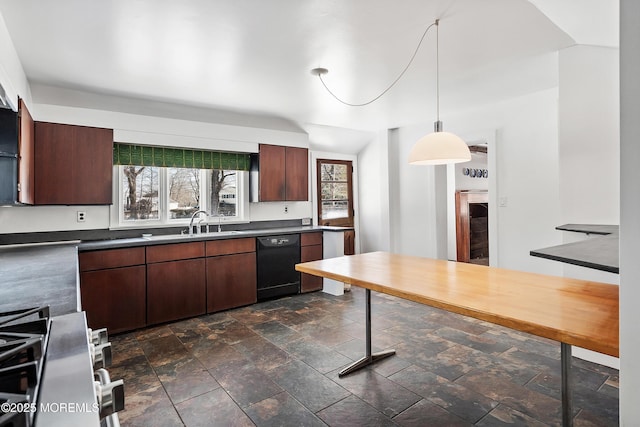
[23, 344]
[52, 372]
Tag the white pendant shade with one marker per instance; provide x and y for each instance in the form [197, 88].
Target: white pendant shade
[439, 148]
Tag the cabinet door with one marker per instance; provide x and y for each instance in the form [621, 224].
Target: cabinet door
[26, 155]
[309, 282]
[175, 290]
[114, 298]
[272, 173]
[231, 281]
[349, 242]
[297, 174]
[73, 165]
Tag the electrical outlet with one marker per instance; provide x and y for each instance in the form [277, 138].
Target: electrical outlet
[81, 216]
[503, 201]
[286, 209]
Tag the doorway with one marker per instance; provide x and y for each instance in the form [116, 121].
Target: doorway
[335, 192]
[472, 227]
[472, 220]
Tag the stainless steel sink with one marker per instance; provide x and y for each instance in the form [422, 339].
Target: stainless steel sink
[191, 236]
[224, 233]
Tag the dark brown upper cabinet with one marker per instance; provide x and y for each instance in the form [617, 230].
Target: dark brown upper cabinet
[73, 165]
[297, 174]
[26, 130]
[284, 173]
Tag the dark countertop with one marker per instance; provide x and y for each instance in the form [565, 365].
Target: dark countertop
[34, 275]
[600, 253]
[590, 228]
[37, 275]
[178, 238]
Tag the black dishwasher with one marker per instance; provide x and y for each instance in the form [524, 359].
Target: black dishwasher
[277, 257]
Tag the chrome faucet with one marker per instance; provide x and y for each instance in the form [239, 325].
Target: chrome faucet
[219, 219]
[193, 217]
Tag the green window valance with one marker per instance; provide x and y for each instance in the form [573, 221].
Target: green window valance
[145, 155]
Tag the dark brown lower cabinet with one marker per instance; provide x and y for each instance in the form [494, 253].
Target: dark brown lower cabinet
[310, 250]
[175, 290]
[231, 281]
[114, 298]
[130, 288]
[350, 242]
[309, 282]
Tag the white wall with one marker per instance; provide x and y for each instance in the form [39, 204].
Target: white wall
[589, 135]
[526, 173]
[414, 211]
[12, 76]
[373, 175]
[466, 182]
[629, 208]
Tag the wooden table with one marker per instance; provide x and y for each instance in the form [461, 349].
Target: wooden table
[573, 312]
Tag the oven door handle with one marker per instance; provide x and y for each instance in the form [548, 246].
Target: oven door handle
[110, 393]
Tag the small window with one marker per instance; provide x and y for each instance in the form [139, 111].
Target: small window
[335, 193]
[184, 192]
[140, 193]
[224, 193]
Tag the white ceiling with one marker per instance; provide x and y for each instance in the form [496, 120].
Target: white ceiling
[254, 56]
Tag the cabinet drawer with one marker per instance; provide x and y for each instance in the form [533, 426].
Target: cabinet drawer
[231, 246]
[174, 252]
[307, 239]
[110, 258]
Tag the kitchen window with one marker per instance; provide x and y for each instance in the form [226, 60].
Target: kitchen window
[151, 195]
[140, 191]
[335, 192]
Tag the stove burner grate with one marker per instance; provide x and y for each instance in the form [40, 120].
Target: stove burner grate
[23, 343]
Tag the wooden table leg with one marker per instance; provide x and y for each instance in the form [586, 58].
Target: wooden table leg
[369, 357]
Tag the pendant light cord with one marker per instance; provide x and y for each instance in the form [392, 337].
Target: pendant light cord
[437, 24]
[397, 78]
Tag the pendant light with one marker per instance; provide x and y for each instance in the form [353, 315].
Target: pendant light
[439, 147]
[434, 149]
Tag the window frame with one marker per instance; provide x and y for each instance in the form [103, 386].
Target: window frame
[117, 220]
[348, 221]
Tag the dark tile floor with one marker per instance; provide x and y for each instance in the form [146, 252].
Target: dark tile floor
[276, 363]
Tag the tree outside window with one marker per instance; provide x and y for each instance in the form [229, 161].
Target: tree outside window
[184, 192]
[140, 192]
[224, 191]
